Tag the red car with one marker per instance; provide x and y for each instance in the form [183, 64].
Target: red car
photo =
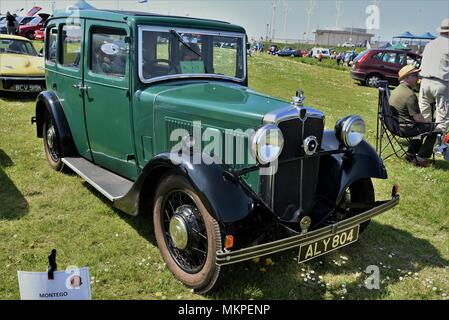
[39, 34]
[373, 65]
[36, 24]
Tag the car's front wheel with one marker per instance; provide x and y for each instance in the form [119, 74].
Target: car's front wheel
[51, 143]
[187, 235]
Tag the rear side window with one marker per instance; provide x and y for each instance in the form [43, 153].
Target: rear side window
[70, 46]
[360, 55]
[378, 56]
[108, 52]
[51, 44]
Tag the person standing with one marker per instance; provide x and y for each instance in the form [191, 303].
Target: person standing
[10, 23]
[435, 78]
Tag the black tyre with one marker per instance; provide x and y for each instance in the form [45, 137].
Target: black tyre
[51, 143]
[373, 80]
[30, 35]
[359, 198]
[187, 235]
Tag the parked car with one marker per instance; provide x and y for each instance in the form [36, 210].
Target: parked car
[348, 45]
[273, 49]
[38, 22]
[39, 35]
[139, 126]
[21, 68]
[315, 52]
[373, 65]
[289, 52]
[20, 20]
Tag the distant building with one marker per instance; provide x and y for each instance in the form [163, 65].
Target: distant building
[336, 36]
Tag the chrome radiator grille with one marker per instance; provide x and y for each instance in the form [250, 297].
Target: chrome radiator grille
[291, 191]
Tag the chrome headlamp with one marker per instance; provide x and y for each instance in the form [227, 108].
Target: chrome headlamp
[267, 144]
[350, 130]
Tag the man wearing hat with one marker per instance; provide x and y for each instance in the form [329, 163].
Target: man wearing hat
[435, 82]
[412, 123]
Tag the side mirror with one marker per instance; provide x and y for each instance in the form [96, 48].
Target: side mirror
[248, 46]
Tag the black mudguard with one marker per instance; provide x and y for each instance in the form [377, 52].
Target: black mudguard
[47, 101]
[338, 171]
[224, 195]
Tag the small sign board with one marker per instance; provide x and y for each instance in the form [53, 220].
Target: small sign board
[72, 284]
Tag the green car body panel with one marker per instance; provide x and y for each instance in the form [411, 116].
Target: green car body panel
[146, 111]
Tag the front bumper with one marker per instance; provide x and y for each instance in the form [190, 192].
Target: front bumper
[229, 257]
[356, 75]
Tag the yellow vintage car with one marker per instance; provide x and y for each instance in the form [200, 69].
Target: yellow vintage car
[21, 68]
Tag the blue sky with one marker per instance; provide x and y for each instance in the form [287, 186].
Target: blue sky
[396, 16]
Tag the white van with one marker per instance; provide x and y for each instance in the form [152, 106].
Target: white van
[325, 52]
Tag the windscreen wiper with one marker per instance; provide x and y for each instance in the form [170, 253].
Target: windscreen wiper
[180, 39]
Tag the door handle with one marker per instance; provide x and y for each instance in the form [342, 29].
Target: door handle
[80, 87]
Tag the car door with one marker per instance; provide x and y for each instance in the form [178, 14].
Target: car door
[107, 97]
[64, 54]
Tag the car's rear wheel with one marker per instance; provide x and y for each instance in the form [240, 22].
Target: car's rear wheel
[187, 235]
[373, 80]
[51, 143]
[359, 197]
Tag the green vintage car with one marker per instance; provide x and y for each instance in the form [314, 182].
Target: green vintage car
[154, 112]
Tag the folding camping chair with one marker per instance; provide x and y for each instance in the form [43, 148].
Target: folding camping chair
[388, 127]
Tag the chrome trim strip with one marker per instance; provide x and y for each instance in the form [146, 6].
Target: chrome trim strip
[288, 113]
[224, 258]
[23, 78]
[88, 180]
[143, 28]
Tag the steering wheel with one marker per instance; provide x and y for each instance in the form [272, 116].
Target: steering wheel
[157, 70]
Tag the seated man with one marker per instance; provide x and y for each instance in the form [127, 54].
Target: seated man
[404, 101]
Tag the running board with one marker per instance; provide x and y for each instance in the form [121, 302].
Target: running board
[109, 184]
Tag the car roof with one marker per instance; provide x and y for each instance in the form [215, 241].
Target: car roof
[12, 37]
[391, 50]
[147, 17]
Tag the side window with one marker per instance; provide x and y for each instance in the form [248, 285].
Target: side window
[108, 52]
[162, 47]
[51, 44]
[413, 60]
[71, 38]
[389, 57]
[378, 56]
[402, 59]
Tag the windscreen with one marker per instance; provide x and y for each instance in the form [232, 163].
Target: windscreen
[172, 52]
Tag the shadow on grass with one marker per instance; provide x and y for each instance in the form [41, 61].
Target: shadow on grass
[284, 279]
[441, 165]
[395, 252]
[142, 223]
[18, 96]
[13, 204]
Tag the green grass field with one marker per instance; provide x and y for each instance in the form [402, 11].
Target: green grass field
[41, 210]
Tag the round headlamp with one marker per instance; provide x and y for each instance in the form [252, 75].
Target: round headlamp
[267, 144]
[351, 130]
